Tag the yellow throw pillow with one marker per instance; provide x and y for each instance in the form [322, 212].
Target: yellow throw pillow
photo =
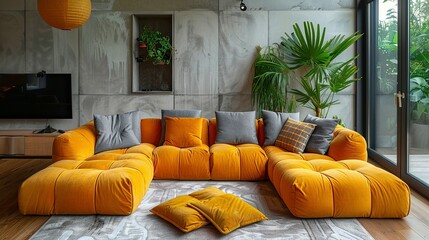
[183, 132]
[228, 212]
[207, 193]
[294, 135]
[177, 212]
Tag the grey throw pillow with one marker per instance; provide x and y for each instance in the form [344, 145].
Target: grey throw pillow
[273, 123]
[114, 131]
[176, 113]
[136, 118]
[322, 135]
[236, 127]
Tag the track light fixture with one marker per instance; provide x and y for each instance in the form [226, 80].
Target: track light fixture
[243, 6]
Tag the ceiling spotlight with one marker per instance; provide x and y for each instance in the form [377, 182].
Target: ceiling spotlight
[243, 6]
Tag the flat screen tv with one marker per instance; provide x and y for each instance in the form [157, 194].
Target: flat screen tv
[35, 96]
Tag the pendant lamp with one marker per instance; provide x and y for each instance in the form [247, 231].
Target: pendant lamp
[64, 14]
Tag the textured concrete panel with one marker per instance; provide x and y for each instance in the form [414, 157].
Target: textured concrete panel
[51, 49]
[12, 5]
[102, 4]
[296, 5]
[12, 44]
[104, 52]
[33, 124]
[207, 103]
[66, 54]
[164, 5]
[342, 110]
[336, 22]
[196, 43]
[39, 44]
[150, 105]
[236, 75]
[235, 103]
[30, 5]
[240, 33]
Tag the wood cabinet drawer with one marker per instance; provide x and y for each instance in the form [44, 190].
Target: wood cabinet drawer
[38, 146]
[26, 143]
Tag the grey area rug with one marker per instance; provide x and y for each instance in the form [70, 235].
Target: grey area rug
[144, 225]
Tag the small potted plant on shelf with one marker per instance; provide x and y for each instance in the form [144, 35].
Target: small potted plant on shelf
[158, 46]
[144, 37]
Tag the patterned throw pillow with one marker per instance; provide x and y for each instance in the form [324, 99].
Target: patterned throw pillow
[273, 123]
[294, 135]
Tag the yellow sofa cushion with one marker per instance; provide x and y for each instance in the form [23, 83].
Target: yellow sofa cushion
[177, 212]
[240, 162]
[113, 187]
[347, 144]
[183, 132]
[228, 212]
[347, 188]
[171, 162]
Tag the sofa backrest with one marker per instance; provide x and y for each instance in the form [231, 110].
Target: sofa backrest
[213, 131]
[151, 131]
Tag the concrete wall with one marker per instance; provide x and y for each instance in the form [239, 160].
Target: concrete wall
[215, 45]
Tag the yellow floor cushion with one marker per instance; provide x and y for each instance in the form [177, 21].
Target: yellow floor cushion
[209, 205]
[348, 188]
[114, 187]
[177, 212]
[228, 212]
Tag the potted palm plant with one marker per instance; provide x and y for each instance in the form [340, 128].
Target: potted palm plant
[269, 87]
[322, 77]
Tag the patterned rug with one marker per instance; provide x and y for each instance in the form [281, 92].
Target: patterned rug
[144, 225]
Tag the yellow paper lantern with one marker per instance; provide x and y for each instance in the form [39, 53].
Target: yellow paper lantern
[64, 14]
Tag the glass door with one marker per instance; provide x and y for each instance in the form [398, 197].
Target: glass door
[418, 85]
[397, 90]
[383, 87]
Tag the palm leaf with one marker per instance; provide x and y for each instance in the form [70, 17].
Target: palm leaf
[307, 49]
[269, 88]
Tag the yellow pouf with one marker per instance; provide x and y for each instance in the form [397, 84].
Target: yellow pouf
[114, 187]
[348, 188]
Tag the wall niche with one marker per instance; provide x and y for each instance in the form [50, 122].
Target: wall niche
[152, 53]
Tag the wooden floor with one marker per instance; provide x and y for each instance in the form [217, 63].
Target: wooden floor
[15, 226]
[13, 172]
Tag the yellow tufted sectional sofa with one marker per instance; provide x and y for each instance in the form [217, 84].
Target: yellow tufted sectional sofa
[338, 184]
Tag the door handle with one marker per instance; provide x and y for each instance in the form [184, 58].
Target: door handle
[397, 97]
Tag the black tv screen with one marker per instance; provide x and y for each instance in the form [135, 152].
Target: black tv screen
[35, 96]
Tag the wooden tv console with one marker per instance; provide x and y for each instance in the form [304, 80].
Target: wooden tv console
[25, 143]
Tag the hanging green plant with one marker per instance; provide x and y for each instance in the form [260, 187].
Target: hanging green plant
[158, 47]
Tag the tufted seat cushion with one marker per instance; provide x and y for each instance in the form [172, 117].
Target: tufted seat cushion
[114, 187]
[237, 162]
[191, 163]
[348, 188]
